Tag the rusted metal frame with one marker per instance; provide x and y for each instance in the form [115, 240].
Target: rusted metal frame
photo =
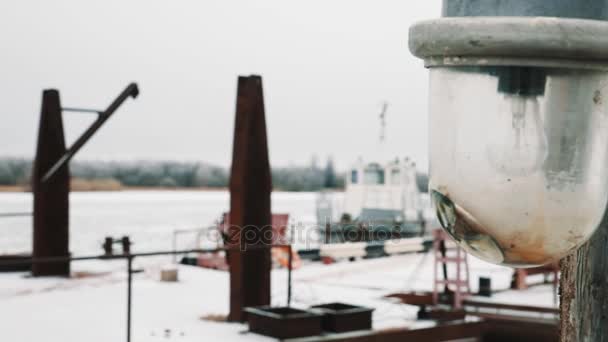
[521, 330]
[413, 298]
[250, 216]
[130, 91]
[485, 330]
[513, 307]
[549, 322]
[444, 332]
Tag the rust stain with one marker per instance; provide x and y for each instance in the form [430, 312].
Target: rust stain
[529, 252]
[529, 247]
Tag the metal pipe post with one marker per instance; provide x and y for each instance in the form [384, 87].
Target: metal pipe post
[129, 289]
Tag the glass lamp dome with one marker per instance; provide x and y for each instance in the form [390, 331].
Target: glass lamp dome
[518, 159]
[518, 133]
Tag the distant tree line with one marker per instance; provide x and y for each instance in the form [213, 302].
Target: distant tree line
[307, 178]
[17, 171]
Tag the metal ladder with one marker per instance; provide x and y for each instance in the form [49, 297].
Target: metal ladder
[458, 286]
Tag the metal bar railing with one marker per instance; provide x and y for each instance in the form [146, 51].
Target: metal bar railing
[3, 215]
[129, 290]
[198, 231]
[82, 110]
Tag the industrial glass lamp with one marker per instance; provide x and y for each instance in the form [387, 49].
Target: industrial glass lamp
[518, 132]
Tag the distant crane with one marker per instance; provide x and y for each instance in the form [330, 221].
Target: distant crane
[383, 121]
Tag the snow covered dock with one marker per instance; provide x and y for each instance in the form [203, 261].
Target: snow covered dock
[91, 306]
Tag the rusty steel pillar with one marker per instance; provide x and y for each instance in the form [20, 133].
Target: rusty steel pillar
[250, 216]
[51, 198]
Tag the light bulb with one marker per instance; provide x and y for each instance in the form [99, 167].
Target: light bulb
[519, 147]
[518, 159]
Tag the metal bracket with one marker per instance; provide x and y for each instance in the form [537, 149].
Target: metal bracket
[82, 110]
[131, 91]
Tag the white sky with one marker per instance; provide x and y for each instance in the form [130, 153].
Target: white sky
[327, 65]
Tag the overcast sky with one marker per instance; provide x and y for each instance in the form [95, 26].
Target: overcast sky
[327, 65]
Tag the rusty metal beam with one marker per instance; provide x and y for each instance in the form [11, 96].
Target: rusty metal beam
[442, 332]
[494, 330]
[509, 307]
[250, 216]
[520, 330]
[51, 198]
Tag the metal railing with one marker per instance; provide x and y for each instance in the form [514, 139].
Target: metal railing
[15, 214]
[197, 240]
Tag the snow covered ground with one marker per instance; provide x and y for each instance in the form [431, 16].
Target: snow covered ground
[91, 306]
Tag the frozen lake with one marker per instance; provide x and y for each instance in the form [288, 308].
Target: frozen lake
[148, 217]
